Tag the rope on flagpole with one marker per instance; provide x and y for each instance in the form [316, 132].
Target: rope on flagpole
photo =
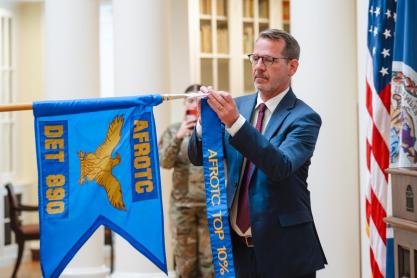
[28, 106]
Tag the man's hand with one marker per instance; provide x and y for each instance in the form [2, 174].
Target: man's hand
[223, 104]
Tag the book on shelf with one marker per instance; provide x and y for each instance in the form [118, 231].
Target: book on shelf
[222, 41]
[221, 10]
[205, 7]
[263, 27]
[286, 10]
[263, 9]
[248, 39]
[286, 27]
[205, 38]
[247, 8]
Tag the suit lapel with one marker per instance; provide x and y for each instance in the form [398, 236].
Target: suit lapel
[246, 108]
[279, 114]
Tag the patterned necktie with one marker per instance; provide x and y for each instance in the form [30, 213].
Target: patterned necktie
[243, 218]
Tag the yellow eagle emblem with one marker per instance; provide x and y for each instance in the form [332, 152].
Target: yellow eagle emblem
[98, 166]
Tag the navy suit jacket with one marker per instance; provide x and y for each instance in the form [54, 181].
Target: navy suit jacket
[283, 230]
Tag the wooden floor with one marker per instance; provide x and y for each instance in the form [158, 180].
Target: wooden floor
[28, 269]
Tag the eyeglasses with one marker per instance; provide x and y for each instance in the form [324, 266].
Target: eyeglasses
[266, 60]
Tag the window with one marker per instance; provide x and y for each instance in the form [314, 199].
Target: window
[7, 76]
[409, 199]
[415, 261]
[214, 44]
[403, 262]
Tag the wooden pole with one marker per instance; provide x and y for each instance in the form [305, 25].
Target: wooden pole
[167, 97]
[15, 107]
[28, 106]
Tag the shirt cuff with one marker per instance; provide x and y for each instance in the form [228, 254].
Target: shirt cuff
[199, 130]
[236, 126]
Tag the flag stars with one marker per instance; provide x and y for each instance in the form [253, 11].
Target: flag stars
[388, 13]
[375, 31]
[387, 33]
[385, 52]
[371, 29]
[371, 11]
[384, 71]
[377, 11]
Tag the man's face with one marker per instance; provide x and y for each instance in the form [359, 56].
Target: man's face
[275, 78]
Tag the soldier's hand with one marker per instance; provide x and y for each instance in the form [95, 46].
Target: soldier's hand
[186, 128]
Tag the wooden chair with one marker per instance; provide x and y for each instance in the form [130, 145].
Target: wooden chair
[22, 232]
[108, 240]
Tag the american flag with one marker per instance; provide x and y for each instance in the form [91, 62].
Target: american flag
[381, 25]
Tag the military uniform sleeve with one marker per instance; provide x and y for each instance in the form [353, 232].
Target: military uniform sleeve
[169, 146]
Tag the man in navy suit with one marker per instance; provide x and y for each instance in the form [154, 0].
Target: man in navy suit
[269, 141]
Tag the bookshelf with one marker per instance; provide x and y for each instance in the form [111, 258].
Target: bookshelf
[223, 32]
[286, 15]
[214, 58]
[259, 15]
[255, 20]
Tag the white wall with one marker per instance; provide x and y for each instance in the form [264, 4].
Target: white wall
[28, 84]
[361, 36]
[327, 81]
[106, 49]
[180, 64]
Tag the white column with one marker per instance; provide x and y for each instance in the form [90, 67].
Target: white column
[327, 80]
[141, 66]
[72, 71]
[362, 49]
[71, 49]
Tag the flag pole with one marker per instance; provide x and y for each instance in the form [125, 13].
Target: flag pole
[28, 106]
[166, 97]
[15, 107]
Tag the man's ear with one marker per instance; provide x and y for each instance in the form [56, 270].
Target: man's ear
[293, 66]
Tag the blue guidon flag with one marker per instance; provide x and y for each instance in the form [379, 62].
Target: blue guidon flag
[98, 165]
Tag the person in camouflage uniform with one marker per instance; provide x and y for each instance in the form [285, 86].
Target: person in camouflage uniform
[190, 234]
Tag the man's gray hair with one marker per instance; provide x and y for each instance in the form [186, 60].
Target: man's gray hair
[291, 49]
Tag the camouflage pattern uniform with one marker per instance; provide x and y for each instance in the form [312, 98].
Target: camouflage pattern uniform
[190, 235]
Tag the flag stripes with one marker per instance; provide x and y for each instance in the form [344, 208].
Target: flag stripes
[381, 25]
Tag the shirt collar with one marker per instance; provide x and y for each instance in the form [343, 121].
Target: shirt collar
[272, 103]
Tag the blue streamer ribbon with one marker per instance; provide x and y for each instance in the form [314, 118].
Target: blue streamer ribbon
[217, 213]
